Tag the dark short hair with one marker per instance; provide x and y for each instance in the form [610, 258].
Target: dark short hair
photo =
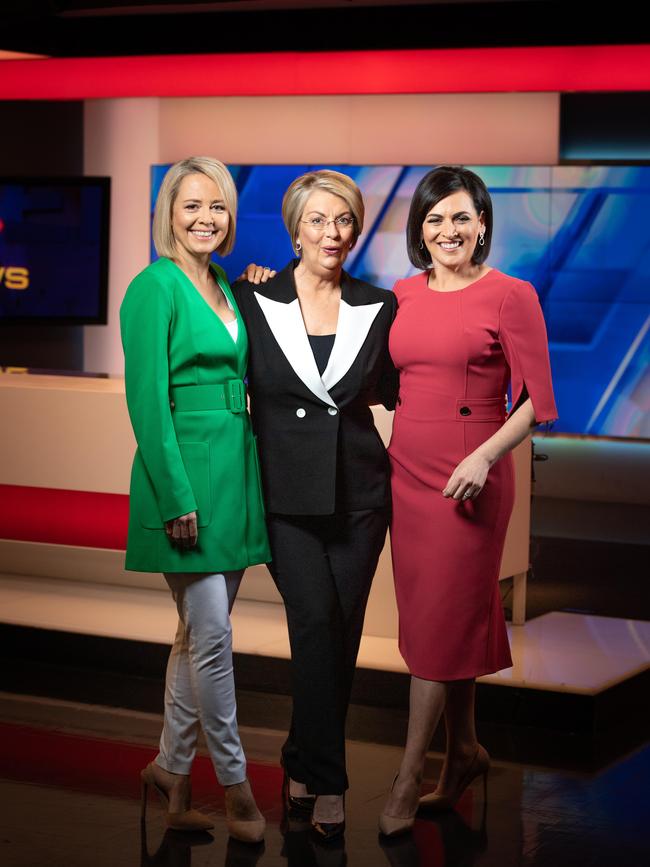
[435, 186]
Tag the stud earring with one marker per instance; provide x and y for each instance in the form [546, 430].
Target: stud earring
[481, 239]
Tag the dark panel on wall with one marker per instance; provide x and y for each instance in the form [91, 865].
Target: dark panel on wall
[46, 139]
[54, 28]
[605, 126]
[41, 138]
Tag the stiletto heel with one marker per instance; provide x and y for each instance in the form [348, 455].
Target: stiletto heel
[144, 789]
[392, 826]
[302, 805]
[185, 820]
[479, 766]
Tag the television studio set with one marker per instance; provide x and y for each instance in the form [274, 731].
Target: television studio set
[361, 282]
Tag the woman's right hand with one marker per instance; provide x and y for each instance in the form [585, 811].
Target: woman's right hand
[183, 531]
[257, 274]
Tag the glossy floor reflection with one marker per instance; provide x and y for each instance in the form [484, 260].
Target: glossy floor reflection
[70, 798]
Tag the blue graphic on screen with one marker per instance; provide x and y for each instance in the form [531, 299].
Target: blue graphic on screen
[578, 234]
[53, 251]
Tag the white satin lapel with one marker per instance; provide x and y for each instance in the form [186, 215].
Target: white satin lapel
[351, 331]
[288, 327]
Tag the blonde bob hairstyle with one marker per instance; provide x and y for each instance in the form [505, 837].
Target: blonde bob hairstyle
[295, 199]
[163, 234]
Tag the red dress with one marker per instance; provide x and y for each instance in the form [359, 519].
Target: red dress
[457, 352]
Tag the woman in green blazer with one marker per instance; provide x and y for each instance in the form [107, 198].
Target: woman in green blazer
[196, 505]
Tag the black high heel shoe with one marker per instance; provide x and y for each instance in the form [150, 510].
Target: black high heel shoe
[296, 805]
[326, 831]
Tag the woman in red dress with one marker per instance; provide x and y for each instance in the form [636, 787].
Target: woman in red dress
[463, 331]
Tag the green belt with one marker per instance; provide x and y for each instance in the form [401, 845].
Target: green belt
[220, 395]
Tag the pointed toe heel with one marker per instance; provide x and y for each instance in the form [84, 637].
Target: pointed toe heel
[185, 820]
[247, 830]
[393, 826]
[479, 767]
[239, 803]
[328, 830]
[189, 820]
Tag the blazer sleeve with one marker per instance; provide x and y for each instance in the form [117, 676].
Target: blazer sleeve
[388, 386]
[522, 333]
[146, 316]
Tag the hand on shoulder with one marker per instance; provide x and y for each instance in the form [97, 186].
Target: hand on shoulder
[257, 274]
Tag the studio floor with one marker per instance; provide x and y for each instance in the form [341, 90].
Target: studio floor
[69, 797]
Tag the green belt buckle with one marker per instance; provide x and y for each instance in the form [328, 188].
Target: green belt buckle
[236, 395]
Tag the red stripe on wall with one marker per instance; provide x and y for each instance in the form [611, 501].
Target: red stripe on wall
[466, 70]
[58, 517]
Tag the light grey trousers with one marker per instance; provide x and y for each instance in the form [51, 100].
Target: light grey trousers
[200, 685]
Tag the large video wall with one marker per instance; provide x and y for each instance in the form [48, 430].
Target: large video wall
[580, 234]
[53, 250]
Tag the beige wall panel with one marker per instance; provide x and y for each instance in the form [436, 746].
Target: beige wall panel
[65, 432]
[468, 128]
[121, 141]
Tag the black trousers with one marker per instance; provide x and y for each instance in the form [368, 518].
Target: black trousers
[323, 566]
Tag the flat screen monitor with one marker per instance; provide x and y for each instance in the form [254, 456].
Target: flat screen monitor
[577, 233]
[54, 250]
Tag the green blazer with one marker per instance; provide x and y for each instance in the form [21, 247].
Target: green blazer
[196, 449]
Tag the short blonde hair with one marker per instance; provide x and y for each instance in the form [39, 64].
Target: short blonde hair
[163, 234]
[295, 198]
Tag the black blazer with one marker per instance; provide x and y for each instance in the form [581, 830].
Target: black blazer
[320, 452]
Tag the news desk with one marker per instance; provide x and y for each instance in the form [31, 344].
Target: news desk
[66, 447]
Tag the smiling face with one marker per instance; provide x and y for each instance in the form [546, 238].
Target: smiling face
[325, 249]
[451, 230]
[199, 217]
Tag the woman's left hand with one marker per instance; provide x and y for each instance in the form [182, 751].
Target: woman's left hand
[467, 480]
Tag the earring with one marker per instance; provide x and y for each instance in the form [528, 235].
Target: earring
[298, 246]
[421, 243]
[481, 239]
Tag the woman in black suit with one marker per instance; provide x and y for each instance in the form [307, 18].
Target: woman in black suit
[318, 358]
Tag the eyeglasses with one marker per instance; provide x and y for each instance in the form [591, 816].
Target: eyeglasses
[320, 223]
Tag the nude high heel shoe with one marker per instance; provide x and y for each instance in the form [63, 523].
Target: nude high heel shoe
[186, 820]
[479, 766]
[244, 830]
[392, 826]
